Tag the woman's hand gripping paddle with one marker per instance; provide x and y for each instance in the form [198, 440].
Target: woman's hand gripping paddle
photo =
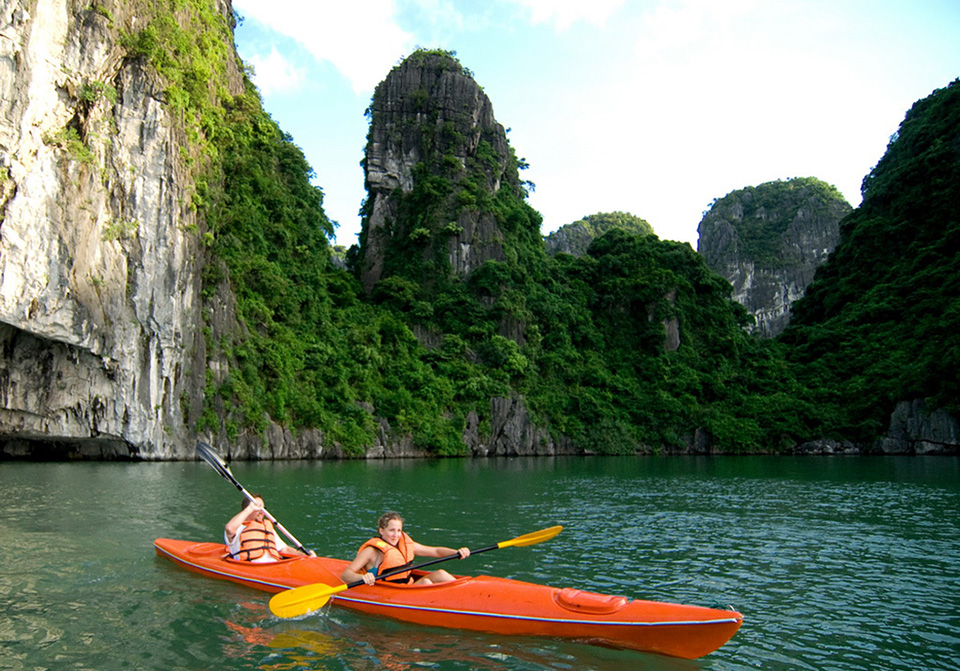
[206, 452]
[299, 601]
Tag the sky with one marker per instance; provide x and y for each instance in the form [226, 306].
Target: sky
[652, 107]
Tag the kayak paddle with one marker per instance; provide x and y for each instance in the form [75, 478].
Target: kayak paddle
[299, 601]
[206, 452]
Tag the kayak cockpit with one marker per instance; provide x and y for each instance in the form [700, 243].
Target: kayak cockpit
[210, 549]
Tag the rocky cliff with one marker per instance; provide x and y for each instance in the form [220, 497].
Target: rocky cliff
[768, 242]
[435, 154]
[102, 250]
[99, 287]
[875, 330]
[574, 238]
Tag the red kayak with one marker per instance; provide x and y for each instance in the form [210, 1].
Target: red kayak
[484, 603]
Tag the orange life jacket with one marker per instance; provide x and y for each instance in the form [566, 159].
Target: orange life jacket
[257, 540]
[393, 556]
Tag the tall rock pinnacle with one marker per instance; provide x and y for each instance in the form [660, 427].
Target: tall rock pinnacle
[435, 161]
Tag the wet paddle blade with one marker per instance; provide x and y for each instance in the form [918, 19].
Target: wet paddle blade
[207, 454]
[303, 600]
[533, 537]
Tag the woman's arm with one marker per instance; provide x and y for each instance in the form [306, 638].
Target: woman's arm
[358, 569]
[439, 551]
[230, 529]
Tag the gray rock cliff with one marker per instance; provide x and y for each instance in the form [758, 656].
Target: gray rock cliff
[99, 286]
[431, 122]
[915, 429]
[768, 242]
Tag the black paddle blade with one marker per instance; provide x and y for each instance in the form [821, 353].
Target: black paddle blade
[208, 455]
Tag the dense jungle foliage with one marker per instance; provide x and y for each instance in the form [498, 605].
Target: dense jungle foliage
[584, 341]
[635, 344]
[880, 322]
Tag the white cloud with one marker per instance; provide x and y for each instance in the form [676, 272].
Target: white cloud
[565, 13]
[275, 74]
[654, 107]
[360, 39]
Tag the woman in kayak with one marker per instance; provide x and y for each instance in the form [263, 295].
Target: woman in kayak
[394, 548]
[251, 536]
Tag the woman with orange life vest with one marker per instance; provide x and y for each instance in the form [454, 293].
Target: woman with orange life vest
[251, 536]
[394, 548]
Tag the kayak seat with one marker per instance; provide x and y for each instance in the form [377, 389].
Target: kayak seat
[589, 603]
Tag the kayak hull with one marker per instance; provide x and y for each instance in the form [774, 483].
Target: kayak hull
[485, 603]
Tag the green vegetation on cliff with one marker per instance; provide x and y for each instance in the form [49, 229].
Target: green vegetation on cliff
[575, 238]
[879, 324]
[585, 341]
[611, 377]
[635, 344]
[190, 46]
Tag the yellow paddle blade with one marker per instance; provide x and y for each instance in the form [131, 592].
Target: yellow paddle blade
[533, 537]
[299, 601]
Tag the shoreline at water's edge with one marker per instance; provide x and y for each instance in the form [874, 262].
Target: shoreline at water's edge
[825, 448]
[912, 431]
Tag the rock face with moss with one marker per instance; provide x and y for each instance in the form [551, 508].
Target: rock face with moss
[435, 160]
[99, 280]
[768, 242]
[575, 238]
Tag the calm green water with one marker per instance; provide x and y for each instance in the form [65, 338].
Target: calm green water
[837, 563]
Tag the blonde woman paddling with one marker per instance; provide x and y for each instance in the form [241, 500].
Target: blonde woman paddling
[395, 548]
